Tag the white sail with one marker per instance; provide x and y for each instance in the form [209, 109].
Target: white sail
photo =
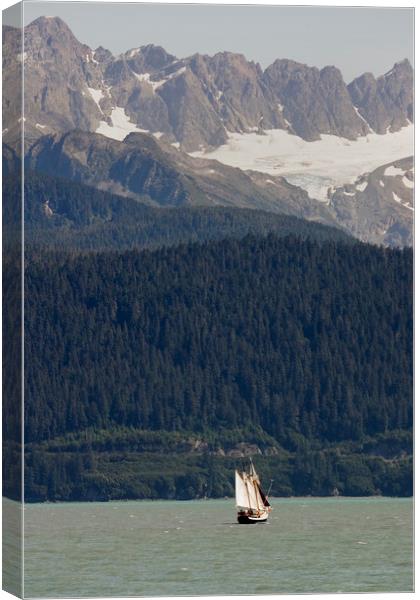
[255, 500]
[241, 491]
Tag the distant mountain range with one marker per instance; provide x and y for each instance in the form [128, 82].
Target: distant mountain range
[196, 101]
[76, 98]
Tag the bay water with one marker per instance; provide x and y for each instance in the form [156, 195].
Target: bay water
[150, 548]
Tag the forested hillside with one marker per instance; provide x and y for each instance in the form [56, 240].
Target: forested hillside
[300, 351]
[67, 215]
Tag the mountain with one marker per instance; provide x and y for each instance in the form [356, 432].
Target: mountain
[195, 101]
[298, 135]
[385, 103]
[379, 206]
[154, 173]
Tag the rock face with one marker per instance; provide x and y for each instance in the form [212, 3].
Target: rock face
[379, 207]
[12, 92]
[237, 91]
[58, 72]
[387, 102]
[195, 101]
[313, 101]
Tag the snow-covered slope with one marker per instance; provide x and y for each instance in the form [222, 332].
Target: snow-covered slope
[121, 125]
[379, 206]
[314, 166]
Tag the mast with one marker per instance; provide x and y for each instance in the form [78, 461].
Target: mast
[257, 493]
[247, 490]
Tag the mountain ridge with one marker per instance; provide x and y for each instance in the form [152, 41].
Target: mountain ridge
[153, 172]
[223, 93]
[124, 124]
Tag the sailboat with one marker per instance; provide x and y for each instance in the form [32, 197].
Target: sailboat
[251, 502]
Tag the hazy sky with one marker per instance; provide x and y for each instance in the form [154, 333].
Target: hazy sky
[354, 39]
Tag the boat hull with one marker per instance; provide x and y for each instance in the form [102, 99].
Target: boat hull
[244, 519]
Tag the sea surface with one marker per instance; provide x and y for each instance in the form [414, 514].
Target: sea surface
[150, 548]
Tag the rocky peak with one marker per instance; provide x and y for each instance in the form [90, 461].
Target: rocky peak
[314, 101]
[156, 57]
[53, 26]
[401, 68]
[102, 55]
[58, 72]
[386, 102]
[149, 59]
[50, 38]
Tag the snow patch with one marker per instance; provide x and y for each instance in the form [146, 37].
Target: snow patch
[392, 171]
[315, 166]
[97, 95]
[146, 77]
[142, 76]
[40, 126]
[157, 84]
[349, 193]
[381, 183]
[363, 119]
[399, 201]
[91, 59]
[362, 186]
[121, 125]
[158, 134]
[22, 56]
[408, 183]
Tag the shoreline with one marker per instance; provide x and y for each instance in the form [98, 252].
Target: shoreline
[203, 500]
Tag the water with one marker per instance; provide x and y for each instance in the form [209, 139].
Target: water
[191, 548]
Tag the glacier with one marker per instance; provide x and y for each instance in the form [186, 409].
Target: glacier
[318, 166]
